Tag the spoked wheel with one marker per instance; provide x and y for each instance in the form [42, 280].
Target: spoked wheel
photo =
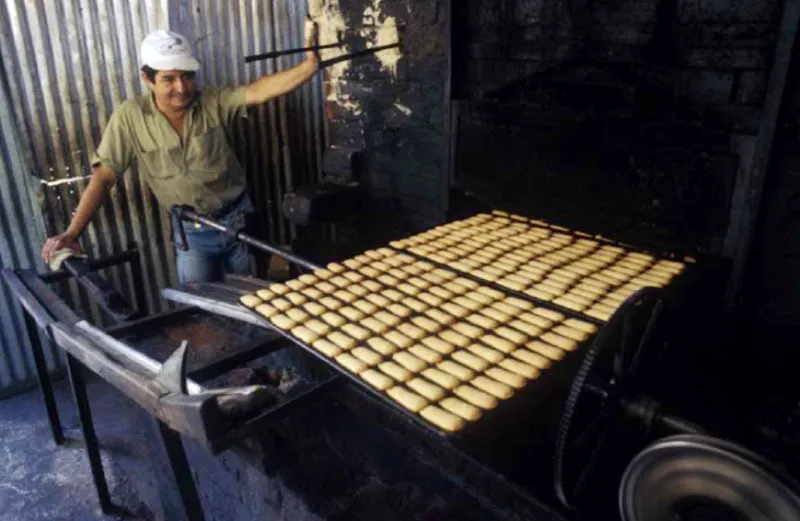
[703, 478]
[611, 371]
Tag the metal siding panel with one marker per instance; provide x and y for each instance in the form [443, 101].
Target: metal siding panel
[21, 232]
[68, 64]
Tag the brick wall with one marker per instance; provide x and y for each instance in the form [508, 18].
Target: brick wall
[390, 105]
[625, 107]
[667, 91]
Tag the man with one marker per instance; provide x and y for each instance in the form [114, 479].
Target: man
[180, 137]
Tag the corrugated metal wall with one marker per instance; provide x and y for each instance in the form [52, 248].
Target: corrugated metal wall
[21, 233]
[69, 63]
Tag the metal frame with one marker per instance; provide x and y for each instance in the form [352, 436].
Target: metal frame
[205, 416]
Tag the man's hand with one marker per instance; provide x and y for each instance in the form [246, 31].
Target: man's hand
[310, 39]
[58, 242]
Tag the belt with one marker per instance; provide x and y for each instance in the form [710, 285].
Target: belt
[228, 208]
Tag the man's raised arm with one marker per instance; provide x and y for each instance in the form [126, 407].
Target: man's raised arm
[279, 83]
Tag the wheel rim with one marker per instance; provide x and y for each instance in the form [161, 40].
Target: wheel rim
[585, 428]
[698, 478]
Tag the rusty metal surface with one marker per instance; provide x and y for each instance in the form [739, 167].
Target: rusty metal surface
[69, 63]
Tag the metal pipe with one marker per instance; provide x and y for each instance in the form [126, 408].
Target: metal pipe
[276, 54]
[188, 214]
[331, 61]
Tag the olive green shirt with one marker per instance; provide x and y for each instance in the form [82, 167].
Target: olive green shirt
[203, 171]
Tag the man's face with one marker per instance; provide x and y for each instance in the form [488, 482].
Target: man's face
[173, 89]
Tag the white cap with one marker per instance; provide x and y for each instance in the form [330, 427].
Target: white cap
[165, 50]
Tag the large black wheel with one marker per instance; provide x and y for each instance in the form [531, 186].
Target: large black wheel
[595, 411]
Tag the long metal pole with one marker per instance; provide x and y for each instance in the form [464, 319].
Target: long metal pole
[331, 61]
[190, 215]
[276, 54]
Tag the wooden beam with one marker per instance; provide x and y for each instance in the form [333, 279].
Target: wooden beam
[748, 192]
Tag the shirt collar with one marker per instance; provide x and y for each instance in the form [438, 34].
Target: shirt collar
[149, 103]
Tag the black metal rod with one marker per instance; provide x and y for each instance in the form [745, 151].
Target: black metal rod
[78, 384]
[181, 472]
[365, 52]
[94, 265]
[45, 386]
[190, 215]
[137, 275]
[276, 54]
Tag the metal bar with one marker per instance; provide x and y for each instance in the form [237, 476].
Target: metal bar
[78, 384]
[181, 471]
[234, 311]
[105, 295]
[94, 265]
[190, 215]
[332, 61]
[448, 157]
[137, 276]
[45, 386]
[275, 54]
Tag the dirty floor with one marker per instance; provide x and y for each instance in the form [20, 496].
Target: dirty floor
[41, 482]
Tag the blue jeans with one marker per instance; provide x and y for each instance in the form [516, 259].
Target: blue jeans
[212, 253]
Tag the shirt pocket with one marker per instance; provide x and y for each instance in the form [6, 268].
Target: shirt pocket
[209, 153]
[161, 162]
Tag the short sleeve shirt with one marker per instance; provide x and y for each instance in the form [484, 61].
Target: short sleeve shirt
[203, 171]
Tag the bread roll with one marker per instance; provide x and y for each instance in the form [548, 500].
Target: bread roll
[395, 371]
[342, 340]
[398, 339]
[423, 353]
[368, 356]
[409, 361]
[520, 368]
[304, 334]
[440, 378]
[493, 387]
[427, 389]
[251, 301]
[439, 345]
[506, 377]
[376, 379]
[350, 313]
[381, 345]
[326, 347]
[267, 310]
[442, 419]
[333, 319]
[351, 363]
[282, 322]
[298, 315]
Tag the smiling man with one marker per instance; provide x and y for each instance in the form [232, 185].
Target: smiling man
[180, 136]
